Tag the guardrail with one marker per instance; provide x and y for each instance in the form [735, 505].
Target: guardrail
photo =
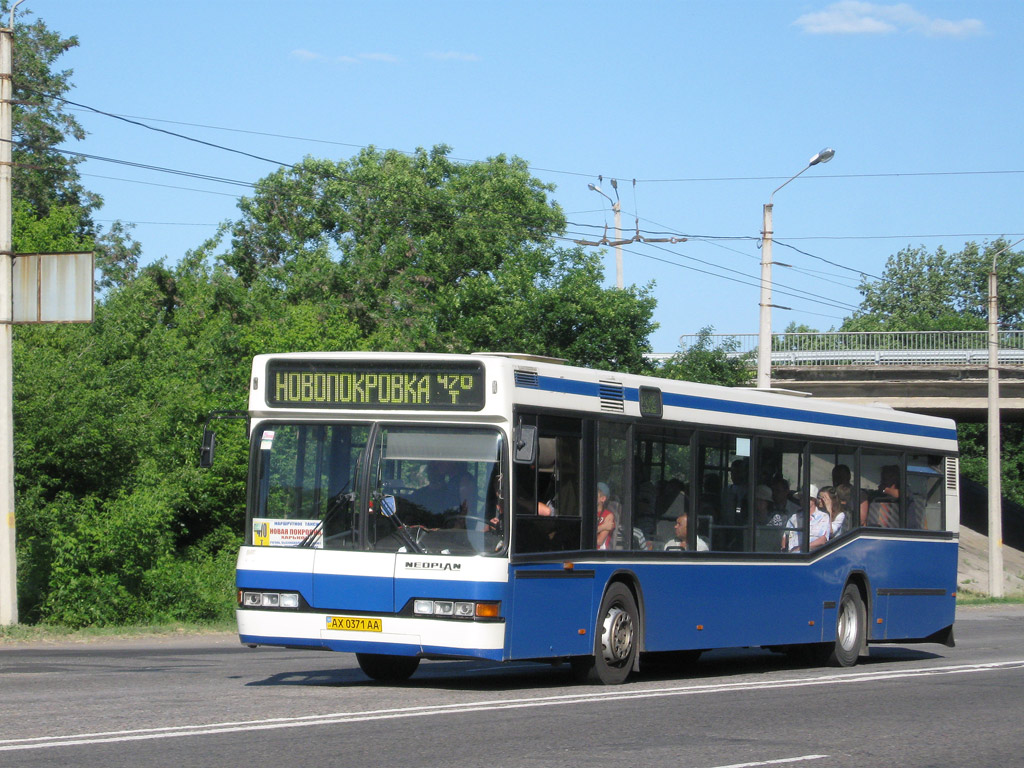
[872, 347]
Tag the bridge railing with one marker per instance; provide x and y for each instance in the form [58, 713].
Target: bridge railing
[874, 347]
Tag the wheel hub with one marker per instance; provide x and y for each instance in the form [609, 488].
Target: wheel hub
[617, 636]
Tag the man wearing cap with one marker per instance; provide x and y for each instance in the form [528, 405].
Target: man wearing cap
[605, 518]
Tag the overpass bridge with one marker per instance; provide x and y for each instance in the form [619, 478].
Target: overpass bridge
[939, 372]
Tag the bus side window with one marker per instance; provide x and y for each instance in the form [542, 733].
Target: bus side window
[547, 509]
[881, 479]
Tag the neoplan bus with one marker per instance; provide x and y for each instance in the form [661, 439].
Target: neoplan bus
[504, 507]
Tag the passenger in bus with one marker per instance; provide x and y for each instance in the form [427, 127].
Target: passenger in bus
[782, 507]
[763, 504]
[841, 505]
[736, 507]
[606, 519]
[841, 475]
[646, 516]
[829, 503]
[681, 541]
[884, 507]
[820, 527]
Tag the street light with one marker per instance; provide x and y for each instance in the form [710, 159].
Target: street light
[617, 210]
[764, 334]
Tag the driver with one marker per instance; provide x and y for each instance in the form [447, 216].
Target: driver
[449, 492]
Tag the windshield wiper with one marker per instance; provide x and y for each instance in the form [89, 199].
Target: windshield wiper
[389, 509]
[338, 503]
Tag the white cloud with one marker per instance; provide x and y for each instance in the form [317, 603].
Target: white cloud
[387, 58]
[302, 53]
[452, 56]
[853, 17]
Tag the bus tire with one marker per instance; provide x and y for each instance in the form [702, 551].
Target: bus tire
[617, 637]
[387, 669]
[851, 626]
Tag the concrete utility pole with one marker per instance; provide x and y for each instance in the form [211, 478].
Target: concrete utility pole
[764, 331]
[995, 487]
[8, 556]
[617, 210]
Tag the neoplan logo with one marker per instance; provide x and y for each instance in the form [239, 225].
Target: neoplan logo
[423, 565]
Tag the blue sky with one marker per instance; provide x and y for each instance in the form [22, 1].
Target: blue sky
[709, 106]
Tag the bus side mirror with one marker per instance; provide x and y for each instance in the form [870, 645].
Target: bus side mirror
[387, 506]
[525, 439]
[206, 452]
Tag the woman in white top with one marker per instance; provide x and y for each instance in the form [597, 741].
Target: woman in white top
[833, 509]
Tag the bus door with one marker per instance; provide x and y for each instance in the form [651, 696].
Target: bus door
[551, 611]
[346, 577]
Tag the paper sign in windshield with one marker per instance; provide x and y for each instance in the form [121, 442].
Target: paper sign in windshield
[286, 533]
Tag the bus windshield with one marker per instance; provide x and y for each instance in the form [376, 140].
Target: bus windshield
[445, 482]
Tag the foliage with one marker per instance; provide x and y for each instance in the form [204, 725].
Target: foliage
[425, 254]
[708, 364]
[41, 122]
[973, 440]
[116, 523]
[922, 291]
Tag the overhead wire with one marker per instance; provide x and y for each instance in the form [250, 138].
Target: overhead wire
[137, 121]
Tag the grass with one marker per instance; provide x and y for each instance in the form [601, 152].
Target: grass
[46, 633]
[969, 597]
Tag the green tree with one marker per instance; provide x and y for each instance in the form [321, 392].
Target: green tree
[43, 177]
[426, 254]
[384, 251]
[939, 291]
[46, 182]
[922, 291]
[708, 364]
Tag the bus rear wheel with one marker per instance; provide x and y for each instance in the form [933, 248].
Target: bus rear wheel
[617, 639]
[851, 624]
[388, 669]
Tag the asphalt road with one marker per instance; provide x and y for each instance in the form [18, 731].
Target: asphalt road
[206, 701]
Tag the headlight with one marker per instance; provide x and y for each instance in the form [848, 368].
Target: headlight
[462, 609]
[268, 599]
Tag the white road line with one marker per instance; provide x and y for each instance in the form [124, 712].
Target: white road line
[780, 761]
[618, 694]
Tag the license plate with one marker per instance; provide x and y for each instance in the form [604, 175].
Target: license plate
[354, 624]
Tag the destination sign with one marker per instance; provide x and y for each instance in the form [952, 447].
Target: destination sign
[387, 386]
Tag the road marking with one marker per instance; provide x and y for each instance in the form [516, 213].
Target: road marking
[618, 694]
[779, 761]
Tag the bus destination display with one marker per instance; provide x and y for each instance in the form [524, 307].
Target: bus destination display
[395, 386]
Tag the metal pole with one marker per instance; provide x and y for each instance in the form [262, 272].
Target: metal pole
[617, 210]
[995, 490]
[8, 553]
[764, 329]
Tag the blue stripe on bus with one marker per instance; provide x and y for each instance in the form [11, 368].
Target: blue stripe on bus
[696, 402]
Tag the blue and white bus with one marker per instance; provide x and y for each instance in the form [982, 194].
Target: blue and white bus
[508, 507]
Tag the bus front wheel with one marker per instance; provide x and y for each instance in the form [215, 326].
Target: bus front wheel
[618, 634]
[389, 669]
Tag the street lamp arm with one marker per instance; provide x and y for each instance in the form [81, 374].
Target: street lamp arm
[822, 157]
[772, 195]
